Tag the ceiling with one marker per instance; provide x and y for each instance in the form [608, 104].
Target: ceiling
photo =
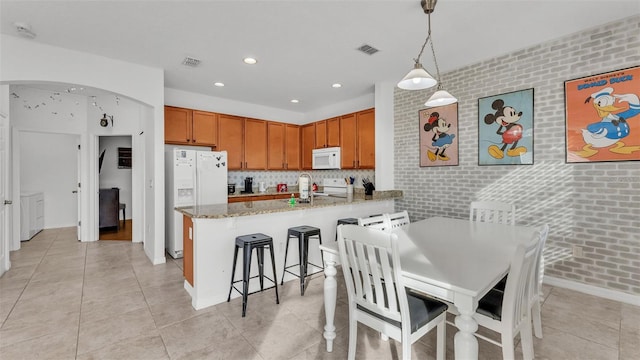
[302, 46]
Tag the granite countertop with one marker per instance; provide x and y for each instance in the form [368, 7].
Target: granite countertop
[218, 211]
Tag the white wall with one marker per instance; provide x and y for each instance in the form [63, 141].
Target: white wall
[23, 61]
[48, 164]
[112, 176]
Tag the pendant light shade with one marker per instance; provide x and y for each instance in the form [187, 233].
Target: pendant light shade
[440, 98]
[417, 79]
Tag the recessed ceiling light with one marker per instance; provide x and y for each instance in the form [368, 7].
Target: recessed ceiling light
[336, 85]
[295, 101]
[250, 61]
[218, 84]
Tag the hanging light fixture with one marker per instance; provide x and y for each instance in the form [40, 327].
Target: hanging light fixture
[416, 80]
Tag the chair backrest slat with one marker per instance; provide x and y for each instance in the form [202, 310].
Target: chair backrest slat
[398, 219]
[515, 306]
[369, 269]
[376, 222]
[493, 211]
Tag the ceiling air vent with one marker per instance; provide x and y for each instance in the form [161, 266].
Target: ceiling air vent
[368, 49]
[189, 61]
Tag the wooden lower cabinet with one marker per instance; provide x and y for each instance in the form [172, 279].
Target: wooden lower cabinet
[187, 249]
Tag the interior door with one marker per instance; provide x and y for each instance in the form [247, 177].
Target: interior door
[78, 194]
[4, 202]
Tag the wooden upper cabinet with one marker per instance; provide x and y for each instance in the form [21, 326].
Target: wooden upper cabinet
[232, 140]
[177, 125]
[276, 144]
[366, 139]
[292, 147]
[255, 144]
[348, 141]
[327, 133]
[204, 128]
[307, 144]
[190, 127]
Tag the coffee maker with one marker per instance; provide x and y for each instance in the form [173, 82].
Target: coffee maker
[248, 185]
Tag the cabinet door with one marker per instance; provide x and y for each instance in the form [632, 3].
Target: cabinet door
[348, 141]
[333, 132]
[205, 128]
[292, 147]
[276, 145]
[321, 134]
[177, 125]
[255, 144]
[231, 139]
[307, 138]
[187, 249]
[366, 139]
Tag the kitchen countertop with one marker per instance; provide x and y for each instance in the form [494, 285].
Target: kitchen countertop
[217, 211]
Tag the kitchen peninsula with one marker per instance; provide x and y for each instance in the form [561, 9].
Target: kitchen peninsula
[210, 231]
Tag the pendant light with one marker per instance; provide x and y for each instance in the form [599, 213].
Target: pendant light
[441, 96]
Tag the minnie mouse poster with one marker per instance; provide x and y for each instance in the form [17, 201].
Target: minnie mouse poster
[439, 136]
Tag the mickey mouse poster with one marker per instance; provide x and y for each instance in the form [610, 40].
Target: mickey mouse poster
[439, 136]
[505, 129]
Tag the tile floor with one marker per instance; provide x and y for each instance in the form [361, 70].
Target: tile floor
[63, 299]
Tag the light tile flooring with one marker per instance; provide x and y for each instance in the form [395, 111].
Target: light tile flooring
[63, 299]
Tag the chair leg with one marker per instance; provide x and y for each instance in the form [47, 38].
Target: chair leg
[406, 346]
[353, 337]
[246, 273]
[526, 339]
[302, 252]
[441, 348]
[508, 351]
[233, 272]
[286, 252]
[260, 251]
[537, 321]
[275, 277]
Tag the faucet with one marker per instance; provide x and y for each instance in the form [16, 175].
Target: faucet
[309, 186]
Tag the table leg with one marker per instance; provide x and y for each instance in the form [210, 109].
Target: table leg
[466, 344]
[330, 296]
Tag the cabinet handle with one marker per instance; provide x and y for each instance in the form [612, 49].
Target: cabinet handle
[240, 164]
[8, 202]
[354, 163]
[194, 140]
[358, 164]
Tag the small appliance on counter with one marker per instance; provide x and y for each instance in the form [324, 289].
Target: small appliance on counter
[282, 188]
[262, 187]
[248, 186]
[231, 188]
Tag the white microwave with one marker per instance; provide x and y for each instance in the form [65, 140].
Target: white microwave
[327, 158]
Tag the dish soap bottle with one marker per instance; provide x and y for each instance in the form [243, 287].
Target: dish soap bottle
[292, 201]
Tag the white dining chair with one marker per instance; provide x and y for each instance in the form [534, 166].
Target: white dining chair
[379, 222]
[397, 219]
[376, 294]
[508, 312]
[493, 211]
[536, 296]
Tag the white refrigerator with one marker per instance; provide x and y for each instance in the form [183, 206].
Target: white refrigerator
[192, 177]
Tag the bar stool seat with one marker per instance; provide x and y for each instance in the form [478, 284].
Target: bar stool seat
[346, 221]
[249, 242]
[303, 233]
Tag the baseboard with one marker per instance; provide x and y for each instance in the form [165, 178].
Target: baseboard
[593, 290]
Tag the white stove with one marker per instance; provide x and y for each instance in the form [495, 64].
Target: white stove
[333, 187]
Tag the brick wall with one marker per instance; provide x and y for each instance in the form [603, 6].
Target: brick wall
[595, 206]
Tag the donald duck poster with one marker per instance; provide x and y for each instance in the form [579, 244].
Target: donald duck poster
[602, 115]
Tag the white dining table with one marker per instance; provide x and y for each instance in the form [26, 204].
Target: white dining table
[455, 260]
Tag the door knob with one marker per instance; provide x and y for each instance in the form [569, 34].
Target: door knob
[74, 192]
[8, 202]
